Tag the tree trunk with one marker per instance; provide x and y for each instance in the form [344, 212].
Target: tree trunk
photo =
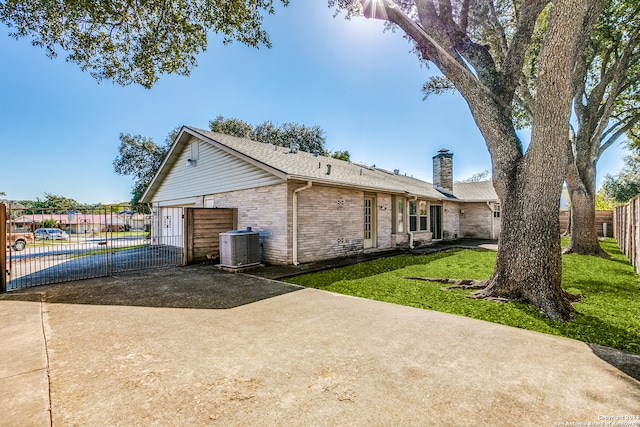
[529, 263]
[567, 231]
[584, 235]
[580, 182]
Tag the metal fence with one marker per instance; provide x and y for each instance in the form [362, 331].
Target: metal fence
[65, 245]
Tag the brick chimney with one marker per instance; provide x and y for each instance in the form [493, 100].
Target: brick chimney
[443, 171]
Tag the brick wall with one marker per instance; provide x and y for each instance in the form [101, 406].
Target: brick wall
[476, 220]
[264, 209]
[330, 223]
[384, 210]
[450, 220]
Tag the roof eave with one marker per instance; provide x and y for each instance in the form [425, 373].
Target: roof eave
[332, 183]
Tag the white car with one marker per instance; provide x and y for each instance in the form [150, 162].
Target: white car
[50, 234]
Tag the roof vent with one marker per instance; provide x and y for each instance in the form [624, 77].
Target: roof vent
[396, 171]
[328, 169]
[293, 147]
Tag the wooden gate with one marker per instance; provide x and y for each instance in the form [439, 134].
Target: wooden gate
[202, 227]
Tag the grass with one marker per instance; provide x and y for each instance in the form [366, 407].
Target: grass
[606, 315]
[104, 250]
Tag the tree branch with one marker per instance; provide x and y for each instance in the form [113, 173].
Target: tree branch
[500, 32]
[514, 60]
[464, 16]
[621, 131]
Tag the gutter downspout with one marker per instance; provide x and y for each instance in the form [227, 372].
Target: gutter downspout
[409, 232]
[295, 220]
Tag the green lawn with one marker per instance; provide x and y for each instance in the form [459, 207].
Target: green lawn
[608, 314]
[105, 250]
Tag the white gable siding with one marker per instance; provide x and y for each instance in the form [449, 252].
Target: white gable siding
[215, 172]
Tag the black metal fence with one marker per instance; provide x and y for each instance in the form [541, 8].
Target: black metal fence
[65, 245]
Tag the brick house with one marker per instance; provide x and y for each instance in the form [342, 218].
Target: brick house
[308, 207]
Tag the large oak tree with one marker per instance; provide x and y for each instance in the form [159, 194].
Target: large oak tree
[606, 102]
[528, 182]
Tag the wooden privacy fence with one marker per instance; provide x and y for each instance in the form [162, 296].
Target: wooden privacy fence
[604, 222]
[626, 230]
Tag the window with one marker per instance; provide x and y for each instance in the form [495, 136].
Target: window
[423, 215]
[496, 210]
[418, 216]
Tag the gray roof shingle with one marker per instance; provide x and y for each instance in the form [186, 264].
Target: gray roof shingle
[482, 191]
[307, 166]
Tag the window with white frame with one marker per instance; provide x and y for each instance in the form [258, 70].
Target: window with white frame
[398, 215]
[418, 219]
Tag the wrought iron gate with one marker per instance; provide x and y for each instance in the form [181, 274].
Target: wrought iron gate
[64, 245]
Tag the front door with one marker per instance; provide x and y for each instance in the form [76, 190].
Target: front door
[369, 222]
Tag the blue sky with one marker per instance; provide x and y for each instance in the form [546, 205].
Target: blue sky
[59, 128]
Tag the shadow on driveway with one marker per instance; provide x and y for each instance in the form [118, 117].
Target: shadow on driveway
[629, 363]
[199, 286]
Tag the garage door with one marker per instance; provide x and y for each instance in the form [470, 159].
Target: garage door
[202, 229]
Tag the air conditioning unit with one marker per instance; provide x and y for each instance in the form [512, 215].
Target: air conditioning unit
[239, 248]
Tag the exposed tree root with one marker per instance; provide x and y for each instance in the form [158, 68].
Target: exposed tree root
[482, 285]
[598, 252]
[572, 297]
[457, 283]
[496, 299]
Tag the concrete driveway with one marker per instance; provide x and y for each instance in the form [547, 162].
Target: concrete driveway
[195, 346]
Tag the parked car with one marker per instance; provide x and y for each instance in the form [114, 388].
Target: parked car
[18, 240]
[50, 234]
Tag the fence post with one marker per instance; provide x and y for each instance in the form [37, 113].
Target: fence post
[3, 247]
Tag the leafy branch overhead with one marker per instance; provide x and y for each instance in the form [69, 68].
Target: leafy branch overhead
[135, 42]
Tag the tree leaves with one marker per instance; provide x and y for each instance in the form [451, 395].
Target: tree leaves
[626, 184]
[141, 158]
[135, 42]
[310, 139]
